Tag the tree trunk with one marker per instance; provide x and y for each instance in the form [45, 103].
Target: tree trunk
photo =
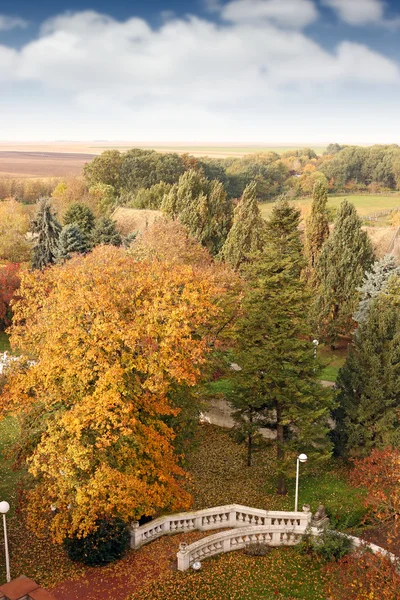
[280, 450]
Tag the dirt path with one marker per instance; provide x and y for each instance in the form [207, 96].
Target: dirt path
[118, 581]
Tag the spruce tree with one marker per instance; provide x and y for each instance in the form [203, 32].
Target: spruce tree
[345, 258]
[369, 382]
[81, 215]
[247, 233]
[375, 281]
[105, 232]
[71, 241]
[278, 385]
[317, 226]
[46, 230]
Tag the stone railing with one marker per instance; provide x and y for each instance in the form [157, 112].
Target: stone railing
[221, 517]
[235, 539]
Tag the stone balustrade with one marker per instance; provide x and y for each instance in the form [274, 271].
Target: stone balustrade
[221, 517]
[235, 539]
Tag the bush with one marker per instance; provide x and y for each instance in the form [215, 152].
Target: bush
[108, 543]
[257, 549]
[330, 545]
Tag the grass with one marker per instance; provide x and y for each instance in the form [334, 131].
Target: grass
[334, 359]
[365, 204]
[4, 342]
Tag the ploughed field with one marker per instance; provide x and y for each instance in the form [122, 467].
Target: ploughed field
[29, 164]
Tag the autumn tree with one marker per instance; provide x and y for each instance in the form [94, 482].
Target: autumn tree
[94, 405]
[71, 241]
[14, 227]
[247, 233]
[46, 230]
[278, 380]
[9, 283]
[345, 258]
[103, 197]
[317, 225]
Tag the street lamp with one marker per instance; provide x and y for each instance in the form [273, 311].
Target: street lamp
[316, 344]
[4, 508]
[302, 458]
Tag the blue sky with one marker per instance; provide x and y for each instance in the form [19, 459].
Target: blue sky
[244, 71]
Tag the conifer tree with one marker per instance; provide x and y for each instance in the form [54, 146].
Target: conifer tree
[81, 215]
[247, 233]
[71, 241]
[369, 382]
[105, 232]
[375, 281]
[317, 226]
[345, 258]
[46, 229]
[278, 385]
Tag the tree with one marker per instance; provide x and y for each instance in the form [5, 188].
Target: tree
[95, 401]
[345, 258]
[104, 198]
[374, 282]
[14, 227]
[81, 215]
[317, 225]
[9, 283]
[247, 233]
[105, 168]
[71, 241]
[150, 198]
[279, 376]
[46, 229]
[105, 232]
[369, 382]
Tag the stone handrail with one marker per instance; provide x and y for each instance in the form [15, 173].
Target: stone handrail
[220, 517]
[235, 539]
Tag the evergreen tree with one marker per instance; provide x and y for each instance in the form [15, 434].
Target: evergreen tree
[105, 232]
[71, 241]
[345, 257]
[375, 281]
[247, 233]
[369, 382]
[278, 385]
[317, 226]
[81, 215]
[46, 229]
[203, 206]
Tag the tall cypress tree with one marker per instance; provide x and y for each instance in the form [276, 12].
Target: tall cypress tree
[278, 385]
[317, 226]
[46, 229]
[71, 241]
[369, 382]
[345, 258]
[247, 234]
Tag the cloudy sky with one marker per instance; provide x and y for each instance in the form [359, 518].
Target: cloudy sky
[253, 71]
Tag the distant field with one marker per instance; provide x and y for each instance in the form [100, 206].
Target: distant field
[31, 164]
[365, 205]
[212, 151]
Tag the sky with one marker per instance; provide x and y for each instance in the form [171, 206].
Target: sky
[205, 71]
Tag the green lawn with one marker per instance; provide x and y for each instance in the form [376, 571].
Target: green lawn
[365, 204]
[4, 343]
[333, 359]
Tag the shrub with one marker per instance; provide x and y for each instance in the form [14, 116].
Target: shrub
[106, 544]
[257, 549]
[330, 545]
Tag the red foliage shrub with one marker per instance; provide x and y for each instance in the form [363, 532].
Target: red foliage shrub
[9, 283]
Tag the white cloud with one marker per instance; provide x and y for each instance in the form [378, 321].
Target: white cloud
[287, 13]
[358, 12]
[7, 23]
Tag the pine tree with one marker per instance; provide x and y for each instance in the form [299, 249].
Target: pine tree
[81, 215]
[345, 258]
[375, 281]
[369, 382]
[247, 233]
[71, 241]
[317, 226]
[278, 384]
[46, 229]
[105, 232]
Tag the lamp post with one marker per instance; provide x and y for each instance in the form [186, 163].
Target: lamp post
[4, 508]
[302, 458]
[316, 344]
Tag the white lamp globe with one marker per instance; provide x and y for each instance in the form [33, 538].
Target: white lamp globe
[4, 507]
[315, 342]
[303, 458]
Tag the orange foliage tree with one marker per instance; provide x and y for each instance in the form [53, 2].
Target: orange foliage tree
[110, 336]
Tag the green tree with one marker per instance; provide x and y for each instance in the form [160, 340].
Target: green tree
[247, 233]
[46, 230]
[104, 197]
[150, 198]
[105, 168]
[345, 258]
[81, 215]
[375, 281]
[71, 241]
[278, 381]
[105, 232]
[317, 225]
[369, 382]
